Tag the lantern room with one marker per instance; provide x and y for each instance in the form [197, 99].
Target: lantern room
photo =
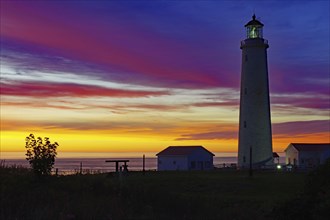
[254, 28]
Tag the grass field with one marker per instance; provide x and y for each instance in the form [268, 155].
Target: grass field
[155, 195]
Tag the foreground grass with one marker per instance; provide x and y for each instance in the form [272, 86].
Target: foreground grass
[155, 195]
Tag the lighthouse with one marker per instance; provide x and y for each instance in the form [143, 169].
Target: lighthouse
[255, 133]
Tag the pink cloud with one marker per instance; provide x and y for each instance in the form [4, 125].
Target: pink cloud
[36, 89]
[301, 127]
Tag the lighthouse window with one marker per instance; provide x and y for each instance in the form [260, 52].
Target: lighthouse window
[244, 124]
[246, 58]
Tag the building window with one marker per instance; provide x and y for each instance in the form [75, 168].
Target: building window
[244, 124]
[302, 161]
[244, 159]
[159, 162]
[174, 162]
[246, 58]
[193, 164]
[245, 91]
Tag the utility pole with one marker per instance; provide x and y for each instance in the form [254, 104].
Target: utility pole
[143, 162]
[80, 171]
[250, 170]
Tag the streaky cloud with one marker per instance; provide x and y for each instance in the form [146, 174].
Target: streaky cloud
[285, 129]
[209, 136]
[303, 100]
[43, 90]
[301, 127]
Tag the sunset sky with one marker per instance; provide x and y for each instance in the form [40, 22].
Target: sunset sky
[137, 76]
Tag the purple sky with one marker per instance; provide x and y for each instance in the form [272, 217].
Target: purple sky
[191, 44]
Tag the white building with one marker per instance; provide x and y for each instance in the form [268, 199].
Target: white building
[185, 158]
[255, 133]
[307, 156]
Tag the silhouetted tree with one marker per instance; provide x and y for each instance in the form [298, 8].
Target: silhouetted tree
[41, 155]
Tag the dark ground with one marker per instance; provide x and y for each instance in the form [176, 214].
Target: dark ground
[165, 195]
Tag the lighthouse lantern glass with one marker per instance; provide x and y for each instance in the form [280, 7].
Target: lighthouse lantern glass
[254, 31]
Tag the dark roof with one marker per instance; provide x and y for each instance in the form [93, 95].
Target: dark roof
[181, 150]
[254, 22]
[116, 161]
[275, 155]
[311, 147]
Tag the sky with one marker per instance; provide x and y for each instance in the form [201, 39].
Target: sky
[138, 76]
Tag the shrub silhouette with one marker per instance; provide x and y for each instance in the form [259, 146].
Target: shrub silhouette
[41, 155]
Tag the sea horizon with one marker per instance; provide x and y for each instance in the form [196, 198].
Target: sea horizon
[5, 155]
[94, 162]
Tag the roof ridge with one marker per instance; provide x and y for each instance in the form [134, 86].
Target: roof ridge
[182, 150]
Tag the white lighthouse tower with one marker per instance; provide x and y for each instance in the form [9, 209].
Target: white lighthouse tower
[255, 134]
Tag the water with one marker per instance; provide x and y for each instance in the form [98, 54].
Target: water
[69, 162]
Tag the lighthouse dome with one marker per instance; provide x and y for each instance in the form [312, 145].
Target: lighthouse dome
[254, 22]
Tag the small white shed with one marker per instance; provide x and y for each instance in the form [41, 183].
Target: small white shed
[307, 156]
[185, 158]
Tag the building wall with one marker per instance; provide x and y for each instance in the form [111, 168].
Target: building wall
[200, 160]
[172, 163]
[305, 159]
[309, 159]
[254, 119]
[324, 156]
[291, 155]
